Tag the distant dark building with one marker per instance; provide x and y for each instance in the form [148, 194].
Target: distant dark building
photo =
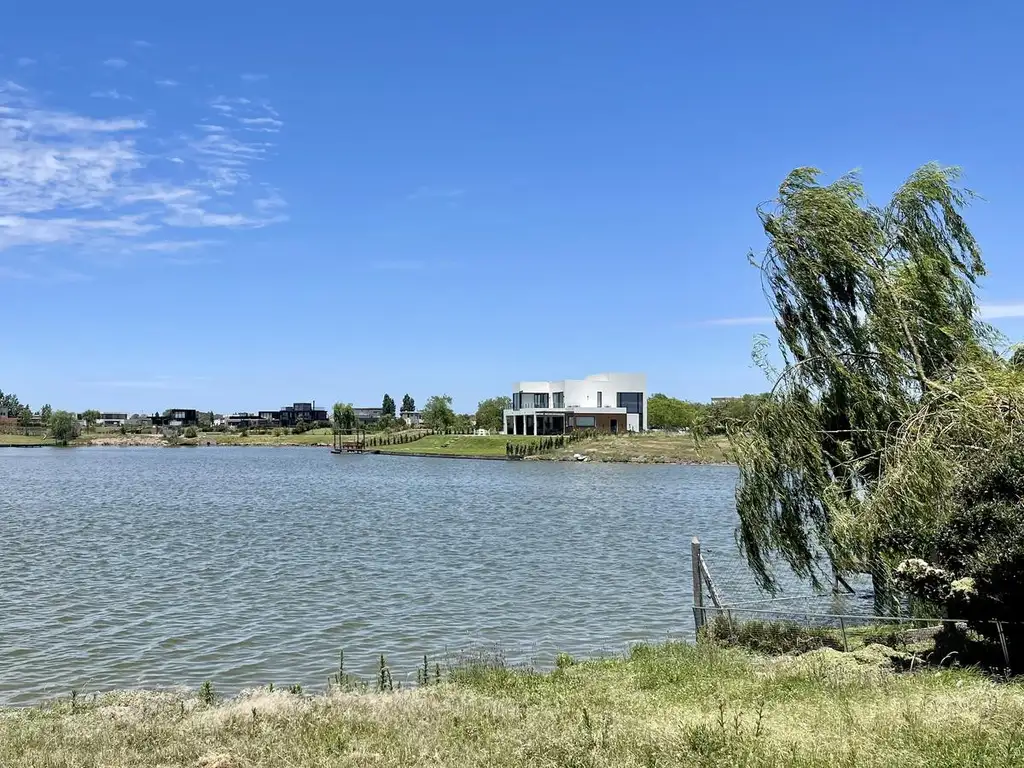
[245, 420]
[177, 417]
[292, 414]
[368, 415]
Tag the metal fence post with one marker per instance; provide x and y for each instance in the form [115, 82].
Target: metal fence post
[1002, 642]
[698, 588]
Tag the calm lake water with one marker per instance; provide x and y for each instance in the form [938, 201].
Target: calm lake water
[153, 567]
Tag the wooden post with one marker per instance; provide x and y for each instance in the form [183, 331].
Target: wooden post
[846, 642]
[698, 587]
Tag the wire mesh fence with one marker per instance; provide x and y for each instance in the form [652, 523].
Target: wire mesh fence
[730, 605]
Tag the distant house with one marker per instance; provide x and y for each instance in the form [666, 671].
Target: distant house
[368, 415]
[290, 415]
[177, 417]
[244, 420]
[412, 418]
[608, 402]
[113, 419]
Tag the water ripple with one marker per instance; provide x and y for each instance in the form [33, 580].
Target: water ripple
[159, 568]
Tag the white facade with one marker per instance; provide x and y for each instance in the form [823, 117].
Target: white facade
[568, 399]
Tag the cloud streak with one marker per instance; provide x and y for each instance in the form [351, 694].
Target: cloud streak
[113, 93]
[115, 63]
[112, 184]
[1000, 311]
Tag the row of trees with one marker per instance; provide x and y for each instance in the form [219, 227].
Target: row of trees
[664, 412]
[62, 426]
[889, 441]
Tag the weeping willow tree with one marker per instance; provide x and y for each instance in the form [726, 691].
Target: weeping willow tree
[875, 309]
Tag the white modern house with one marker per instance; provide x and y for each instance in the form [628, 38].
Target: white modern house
[609, 402]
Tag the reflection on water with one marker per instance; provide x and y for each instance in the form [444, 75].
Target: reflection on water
[161, 567]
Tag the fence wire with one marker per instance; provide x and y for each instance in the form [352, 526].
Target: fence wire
[843, 613]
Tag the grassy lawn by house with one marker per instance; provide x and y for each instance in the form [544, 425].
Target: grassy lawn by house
[457, 445]
[648, 448]
[671, 705]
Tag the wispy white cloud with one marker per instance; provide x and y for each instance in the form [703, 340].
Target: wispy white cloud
[1000, 311]
[25, 61]
[115, 63]
[167, 83]
[733, 321]
[141, 44]
[437, 193]
[174, 246]
[262, 124]
[110, 184]
[113, 93]
[252, 77]
[12, 87]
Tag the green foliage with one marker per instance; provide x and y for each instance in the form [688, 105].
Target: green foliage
[45, 413]
[875, 308]
[977, 561]
[664, 412]
[190, 433]
[206, 419]
[343, 417]
[438, 413]
[489, 413]
[63, 427]
[25, 416]
[388, 405]
[300, 428]
[9, 402]
[408, 404]
[90, 418]
[206, 693]
[770, 637]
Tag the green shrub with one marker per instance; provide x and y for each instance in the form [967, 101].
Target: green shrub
[770, 637]
[191, 433]
[977, 565]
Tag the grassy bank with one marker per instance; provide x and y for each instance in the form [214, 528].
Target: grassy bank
[19, 440]
[645, 449]
[674, 705]
[457, 445]
[649, 448]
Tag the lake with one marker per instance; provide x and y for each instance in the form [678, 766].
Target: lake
[157, 567]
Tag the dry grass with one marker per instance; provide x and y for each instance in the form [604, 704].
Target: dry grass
[673, 705]
[648, 448]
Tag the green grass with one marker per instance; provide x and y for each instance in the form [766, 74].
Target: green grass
[671, 705]
[11, 439]
[457, 445]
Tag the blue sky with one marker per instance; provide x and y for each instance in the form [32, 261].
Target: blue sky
[230, 207]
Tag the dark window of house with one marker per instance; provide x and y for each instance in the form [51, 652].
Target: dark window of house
[558, 400]
[540, 400]
[633, 402]
[517, 401]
